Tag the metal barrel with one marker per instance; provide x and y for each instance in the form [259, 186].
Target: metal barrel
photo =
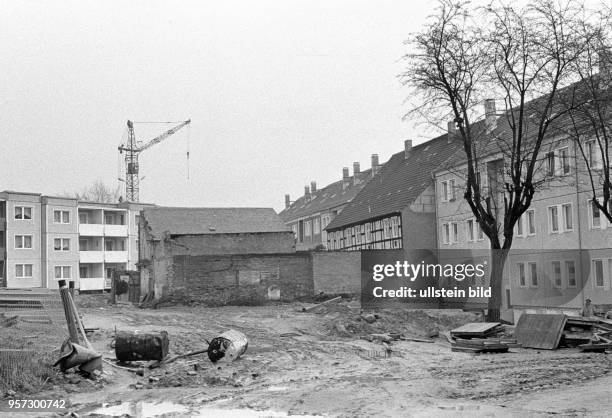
[228, 346]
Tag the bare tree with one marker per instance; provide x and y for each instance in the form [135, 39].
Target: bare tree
[522, 57]
[98, 192]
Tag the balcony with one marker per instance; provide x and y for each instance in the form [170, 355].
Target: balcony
[115, 230]
[91, 256]
[92, 230]
[115, 256]
[92, 283]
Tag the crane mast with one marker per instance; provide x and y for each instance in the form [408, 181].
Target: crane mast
[132, 150]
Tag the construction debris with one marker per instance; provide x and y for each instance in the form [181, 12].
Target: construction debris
[134, 346]
[541, 331]
[230, 346]
[73, 355]
[477, 330]
[310, 308]
[550, 331]
[480, 337]
[6, 322]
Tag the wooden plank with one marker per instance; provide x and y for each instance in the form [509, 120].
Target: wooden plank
[476, 327]
[595, 347]
[540, 330]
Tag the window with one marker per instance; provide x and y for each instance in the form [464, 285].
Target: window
[480, 232]
[593, 153]
[553, 219]
[556, 270]
[598, 219]
[83, 271]
[109, 219]
[521, 275]
[62, 272]
[570, 268]
[23, 271]
[598, 272]
[61, 244]
[531, 222]
[550, 164]
[23, 242]
[560, 218]
[324, 221]
[109, 272]
[451, 186]
[317, 226]
[61, 217]
[294, 229]
[445, 191]
[519, 227]
[446, 233]
[109, 245]
[455, 232]
[83, 218]
[307, 228]
[533, 271]
[23, 212]
[448, 190]
[1, 239]
[470, 230]
[568, 223]
[564, 161]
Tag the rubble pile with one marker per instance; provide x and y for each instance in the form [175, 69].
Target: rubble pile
[344, 318]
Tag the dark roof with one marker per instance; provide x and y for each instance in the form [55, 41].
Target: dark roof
[328, 197]
[201, 221]
[399, 183]
[499, 141]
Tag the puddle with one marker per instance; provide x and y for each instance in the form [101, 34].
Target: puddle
[141, 409]
[244, 413]
[149, 409]
[278, 388]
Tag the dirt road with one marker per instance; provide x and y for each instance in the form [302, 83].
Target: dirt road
[315, 364]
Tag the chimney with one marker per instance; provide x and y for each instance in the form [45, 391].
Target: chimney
[345, 173]
[307, 192]
[375, 165]
[451, 127]
[313, 186]
[356, 171]
[490, 114]
[287, 201]
[407, 147]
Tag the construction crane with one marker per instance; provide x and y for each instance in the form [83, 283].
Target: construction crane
[132, 150]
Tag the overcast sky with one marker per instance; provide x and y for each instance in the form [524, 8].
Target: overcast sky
[279, 93]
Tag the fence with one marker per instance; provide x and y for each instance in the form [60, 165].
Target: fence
[32, 329]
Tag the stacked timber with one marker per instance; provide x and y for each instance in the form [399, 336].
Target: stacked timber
[550, 331]
[480, 337]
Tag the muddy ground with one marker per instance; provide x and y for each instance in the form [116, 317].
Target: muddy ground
[315, 363]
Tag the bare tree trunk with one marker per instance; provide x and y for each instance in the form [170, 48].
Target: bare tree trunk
[498, 261]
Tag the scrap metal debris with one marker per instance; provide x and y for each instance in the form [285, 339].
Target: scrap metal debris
[135, 346]
[229, 345]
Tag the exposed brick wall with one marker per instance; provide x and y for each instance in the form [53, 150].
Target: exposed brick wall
[336, 272]
[228, 279]
[221, 244]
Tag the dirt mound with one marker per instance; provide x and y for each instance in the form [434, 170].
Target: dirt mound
[344, 320]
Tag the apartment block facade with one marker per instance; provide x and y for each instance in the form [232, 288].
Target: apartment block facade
[562, 248]
[44, 239]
